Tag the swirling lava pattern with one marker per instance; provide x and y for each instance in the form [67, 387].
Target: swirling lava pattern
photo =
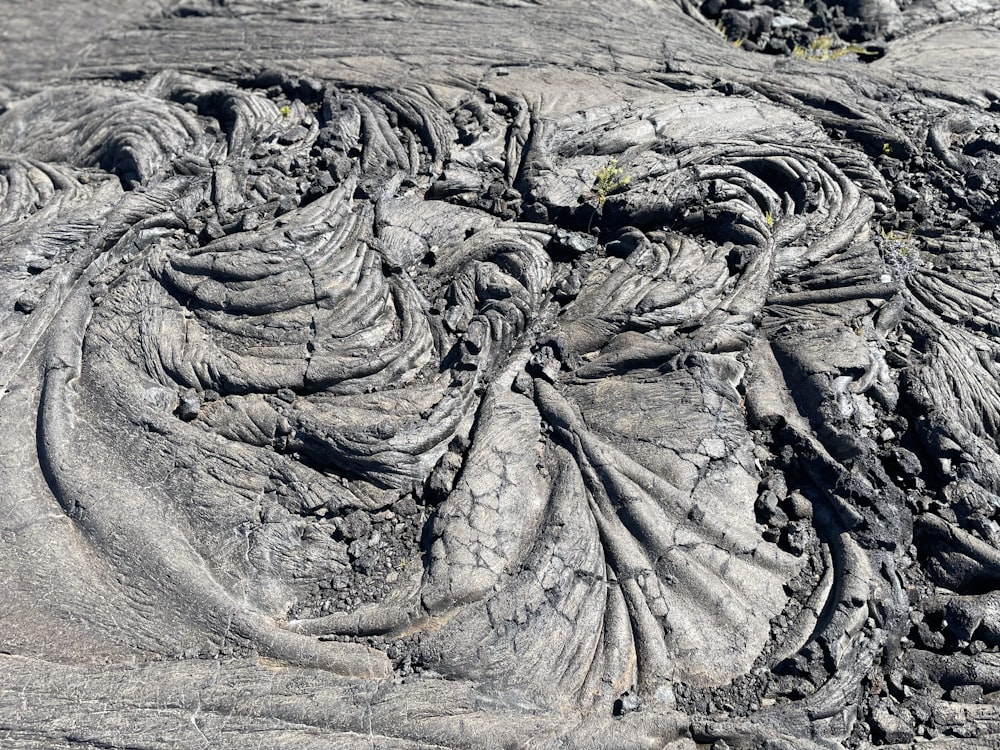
[253, 326]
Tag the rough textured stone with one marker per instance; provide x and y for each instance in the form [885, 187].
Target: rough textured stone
[517, 374]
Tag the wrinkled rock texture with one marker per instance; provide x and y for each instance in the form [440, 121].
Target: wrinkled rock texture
[455, 374]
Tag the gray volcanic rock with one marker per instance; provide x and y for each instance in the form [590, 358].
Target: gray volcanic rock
[517, 374]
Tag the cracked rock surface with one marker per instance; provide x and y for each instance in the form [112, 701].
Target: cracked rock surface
[499, 374]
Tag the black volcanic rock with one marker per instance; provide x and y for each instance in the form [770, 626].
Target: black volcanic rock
[499, 374]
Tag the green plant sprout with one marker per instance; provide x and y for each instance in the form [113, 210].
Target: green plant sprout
[285, 111]
[887, 149]
[822, 50]
[769, 219]
[610, 179]
[721, 28]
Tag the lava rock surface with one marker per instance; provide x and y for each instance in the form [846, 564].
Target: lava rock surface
[467, 374]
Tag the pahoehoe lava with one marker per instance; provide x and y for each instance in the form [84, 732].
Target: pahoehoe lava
[467, 374]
